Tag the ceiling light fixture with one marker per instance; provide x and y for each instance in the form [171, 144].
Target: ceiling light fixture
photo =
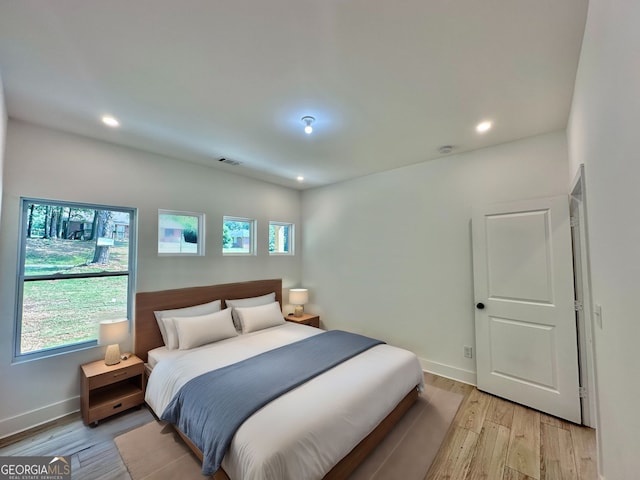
[300, 178]
[483, 127]
[307, 122]
[110, 121]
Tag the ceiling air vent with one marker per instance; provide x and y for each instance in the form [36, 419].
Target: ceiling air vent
[227, 161]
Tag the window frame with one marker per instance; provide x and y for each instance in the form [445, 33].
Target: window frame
[18, 356]
[291, 239]
[201, 233]
[252, 236]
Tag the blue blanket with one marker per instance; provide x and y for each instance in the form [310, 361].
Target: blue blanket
[210, 408]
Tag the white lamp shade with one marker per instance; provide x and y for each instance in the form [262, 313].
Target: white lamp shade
[298, 296]
[113, 331]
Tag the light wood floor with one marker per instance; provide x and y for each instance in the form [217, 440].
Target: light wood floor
[494, 439]
[93, 453]
[490, 439]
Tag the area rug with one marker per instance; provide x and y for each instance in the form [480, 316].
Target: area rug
[155, 452]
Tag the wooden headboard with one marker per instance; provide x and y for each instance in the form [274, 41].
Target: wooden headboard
[147, 334]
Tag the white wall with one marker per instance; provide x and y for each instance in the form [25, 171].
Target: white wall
[603, 134]
[389, 254]
[3, 130]
[44, 163]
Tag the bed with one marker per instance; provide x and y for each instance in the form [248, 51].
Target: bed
[323, 428]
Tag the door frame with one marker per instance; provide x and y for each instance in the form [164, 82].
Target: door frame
[584, 317]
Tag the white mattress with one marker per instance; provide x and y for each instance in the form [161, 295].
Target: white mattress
[305, 432]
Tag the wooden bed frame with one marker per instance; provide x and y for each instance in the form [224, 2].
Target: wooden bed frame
[147, 336]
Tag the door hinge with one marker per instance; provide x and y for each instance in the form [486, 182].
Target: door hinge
[577, 305]
[573, 222]
[582, 392]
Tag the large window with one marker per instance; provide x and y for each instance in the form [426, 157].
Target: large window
[180, 233]
[238, 236]
[280, 238]
[75, 269]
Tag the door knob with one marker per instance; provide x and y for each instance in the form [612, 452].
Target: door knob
[480, 306]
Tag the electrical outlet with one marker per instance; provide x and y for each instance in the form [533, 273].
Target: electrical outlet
[468, 351]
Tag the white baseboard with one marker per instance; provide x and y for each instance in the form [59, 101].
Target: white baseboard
[454, 373]
[25, 421]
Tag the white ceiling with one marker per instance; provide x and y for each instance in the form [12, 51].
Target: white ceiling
[388, 81]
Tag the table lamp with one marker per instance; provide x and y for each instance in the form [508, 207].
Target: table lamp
[298, 297]
[111, 333]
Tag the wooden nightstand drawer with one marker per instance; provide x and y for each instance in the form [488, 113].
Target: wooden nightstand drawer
[108, 378]
[110, 406]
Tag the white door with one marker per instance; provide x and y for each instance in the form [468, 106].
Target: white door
[526, 343]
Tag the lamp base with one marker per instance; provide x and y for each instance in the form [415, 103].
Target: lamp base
[112, 357]
[298, 311]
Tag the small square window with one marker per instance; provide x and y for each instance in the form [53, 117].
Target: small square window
[238, 236]
[280, 238]
[180, 233]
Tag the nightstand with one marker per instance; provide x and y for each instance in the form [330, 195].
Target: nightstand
[305, 319]
[107, 390]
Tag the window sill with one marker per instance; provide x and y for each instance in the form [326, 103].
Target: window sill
[52, 352]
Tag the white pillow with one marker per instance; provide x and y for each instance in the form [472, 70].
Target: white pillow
[196, 331]
[167, 328]
[249, 302]
[257, 318]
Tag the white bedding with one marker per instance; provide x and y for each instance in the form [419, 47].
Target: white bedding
[305, 432]
[157, 354]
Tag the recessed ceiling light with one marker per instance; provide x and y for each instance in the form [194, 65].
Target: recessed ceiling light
[110, 121]
[483, 127]
[300, 178]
